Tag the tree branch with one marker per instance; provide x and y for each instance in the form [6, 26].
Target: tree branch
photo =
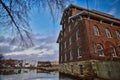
[12, 19]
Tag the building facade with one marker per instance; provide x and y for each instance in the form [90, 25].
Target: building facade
[88, 38]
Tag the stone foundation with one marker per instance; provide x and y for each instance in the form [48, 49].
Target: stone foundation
[73, 68]
[93, 68]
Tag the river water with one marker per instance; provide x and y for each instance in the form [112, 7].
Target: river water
[26, 74]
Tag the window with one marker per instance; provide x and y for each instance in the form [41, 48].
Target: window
[96, 30]
[100, 50]
[69, 28]
[118, 34]
[65, 57]
[64, 33]
[72, 68]
[65, 44]
[77, 35]
[113, 51]
[81, 69]
[108, 34]
[76, 23]
[71, 55]
[79, 52]
[70, 41]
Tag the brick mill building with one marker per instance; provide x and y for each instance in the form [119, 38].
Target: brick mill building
[89, 43]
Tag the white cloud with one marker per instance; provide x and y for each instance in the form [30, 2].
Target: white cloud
[44, 48]
[31, 51]
[24, 52]
[13, 47]
[112, 12]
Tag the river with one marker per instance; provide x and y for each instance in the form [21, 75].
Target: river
[27, 74]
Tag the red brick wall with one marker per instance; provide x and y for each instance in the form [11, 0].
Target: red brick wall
[106, 42]
[87, 38]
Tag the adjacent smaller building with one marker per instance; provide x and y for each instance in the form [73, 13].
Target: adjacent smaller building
[43, 64]
[11, 63]
[29, 64]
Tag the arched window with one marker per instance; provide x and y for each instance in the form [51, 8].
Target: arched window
[71, 55]
[96, 30]
[108, 34]
[118, 34]
[65, 57]
[113, 51]
[100, 50]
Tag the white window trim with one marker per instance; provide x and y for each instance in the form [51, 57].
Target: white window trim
[103, 54]
[118, 35]
[96, 31]
[114, 55]
[108, 33]
[76, 23]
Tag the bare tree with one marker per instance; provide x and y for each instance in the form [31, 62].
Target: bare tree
[15, 15]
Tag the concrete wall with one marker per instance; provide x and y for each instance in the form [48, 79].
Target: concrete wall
[107, 69]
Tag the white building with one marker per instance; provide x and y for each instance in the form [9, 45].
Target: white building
[27, 63]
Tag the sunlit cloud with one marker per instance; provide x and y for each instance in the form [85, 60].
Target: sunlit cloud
[112, 12]
[44, 49]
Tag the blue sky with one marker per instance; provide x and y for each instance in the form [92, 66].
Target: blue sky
[45, 32]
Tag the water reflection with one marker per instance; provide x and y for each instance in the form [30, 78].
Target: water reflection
[32, 74]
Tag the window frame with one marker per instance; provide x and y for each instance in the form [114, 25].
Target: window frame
[81, 71]
[96, 30]
[65, 55]
[79, 51]
[113, 50]
[101, 50]
[117, 34]
[71, 55]
[108, 33]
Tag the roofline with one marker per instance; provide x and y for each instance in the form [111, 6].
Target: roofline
[93, 11]
[114, 20]
[71, 5]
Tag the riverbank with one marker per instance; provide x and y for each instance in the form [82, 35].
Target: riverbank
[53, 68]
[6, 71]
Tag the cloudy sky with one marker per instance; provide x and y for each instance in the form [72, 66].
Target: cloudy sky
[45, 32]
